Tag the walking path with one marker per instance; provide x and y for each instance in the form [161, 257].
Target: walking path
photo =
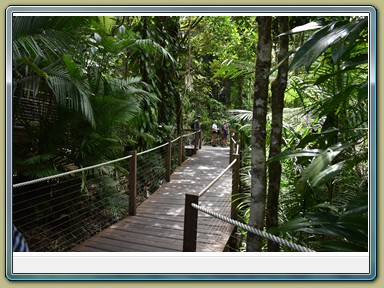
[159, 223]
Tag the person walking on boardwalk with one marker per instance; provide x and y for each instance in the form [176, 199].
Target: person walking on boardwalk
[215, 131]
[224, 133]
[196, 127]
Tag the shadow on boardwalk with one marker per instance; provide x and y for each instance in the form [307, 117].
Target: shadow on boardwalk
[159, 223]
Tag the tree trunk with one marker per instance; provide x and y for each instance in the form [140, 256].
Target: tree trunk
[240, 92]
[174, 30]
[274, 168]
[258, 169]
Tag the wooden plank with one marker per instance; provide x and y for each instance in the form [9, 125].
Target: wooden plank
[154, 231]
[159, 221]
[135, 239]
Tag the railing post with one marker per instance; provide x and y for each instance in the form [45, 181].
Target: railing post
[190, 223]
[180, 150]
[230, 149]
[235, 185]
[199, 138]
[168, 162]
[132, 184]
[195, 143]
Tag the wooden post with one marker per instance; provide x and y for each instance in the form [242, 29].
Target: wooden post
[190, 223]
[168, 162]
[235, 185]
[240, 153]
[200, 139]
[195, 143]
[133, 184]
[180, 151]
[230, 149]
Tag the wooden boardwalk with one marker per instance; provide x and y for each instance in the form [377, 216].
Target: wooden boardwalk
[159, 223]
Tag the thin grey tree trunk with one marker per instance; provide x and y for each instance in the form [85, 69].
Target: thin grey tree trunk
[274, 168]
[260, 99]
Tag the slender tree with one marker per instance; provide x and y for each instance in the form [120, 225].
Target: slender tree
[258, 170]
[274, 168]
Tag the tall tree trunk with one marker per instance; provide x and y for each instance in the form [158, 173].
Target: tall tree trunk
[258, 169]
[162, 73]
[274, 168]
[178, 102]
[240, 92]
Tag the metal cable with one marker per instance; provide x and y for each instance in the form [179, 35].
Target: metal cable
[202, 192]
[90, 167]
[253, 230]
[68, 173]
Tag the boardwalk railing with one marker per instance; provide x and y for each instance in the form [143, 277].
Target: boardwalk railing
[192, 207]
[57, 212]
[191, 216]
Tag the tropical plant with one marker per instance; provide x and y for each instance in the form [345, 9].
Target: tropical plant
[325, 142]
[341, 111]
[38, 46]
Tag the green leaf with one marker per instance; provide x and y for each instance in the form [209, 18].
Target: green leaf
[341, 39]
[314, 174]
[309, 138]
[312, 48]
[73, 69]
[38, 159]
[339, 246]
[293, 224]
[298, 153]
[303, 28]
[328, 206]
[363, 91]
[322, 161]
[355, 61]
[327, 174]
[354, 28]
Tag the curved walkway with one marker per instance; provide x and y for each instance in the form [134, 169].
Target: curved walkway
[159, 223]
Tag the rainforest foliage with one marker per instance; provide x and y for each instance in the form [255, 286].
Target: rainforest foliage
[107, 84]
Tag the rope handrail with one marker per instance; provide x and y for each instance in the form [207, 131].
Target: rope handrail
[236, 145]
[253, 230]
[202, 192]
[189, 134]
[174, 140]
[152, 149]
[69, 172]
[90, 167]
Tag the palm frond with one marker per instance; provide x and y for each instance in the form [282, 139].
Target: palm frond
[241, 115]
[130, 87]
[234, 68]
[40, 36]
[149, 45]
[328, 36]
[69, 92]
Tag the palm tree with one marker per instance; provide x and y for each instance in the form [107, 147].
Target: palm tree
[39, 67]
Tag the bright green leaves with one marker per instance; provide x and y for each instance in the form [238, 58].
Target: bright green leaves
[321, 170]
[303, 28]
[74, 70]
[341, 37]
[338, 228]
